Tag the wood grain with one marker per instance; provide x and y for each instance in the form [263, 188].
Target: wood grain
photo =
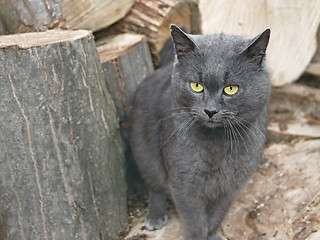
[293, 24]
[153, 19]
[94, 14]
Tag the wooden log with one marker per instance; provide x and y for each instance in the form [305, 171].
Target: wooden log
[27, 15]
[94, 15]
[313, 69]
[294, 111]
[153, 18]
[18, 16]
[293, 23]
[126, 61]
[61, 157]
[316, 57]
[314, 66]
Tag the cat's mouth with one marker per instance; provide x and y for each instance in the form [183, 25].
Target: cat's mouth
[210, 122]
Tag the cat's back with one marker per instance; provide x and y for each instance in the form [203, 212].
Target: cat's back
[152, 99]
[153, 92]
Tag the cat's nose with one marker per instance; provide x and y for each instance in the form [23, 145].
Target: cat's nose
[210, 113]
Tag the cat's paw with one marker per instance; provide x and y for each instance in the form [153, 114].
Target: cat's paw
[155, 223]
[215, 237]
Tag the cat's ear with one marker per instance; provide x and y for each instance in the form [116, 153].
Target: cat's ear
[183, 44]
[257, 49]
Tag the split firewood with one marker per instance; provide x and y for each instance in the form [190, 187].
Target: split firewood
[293, 23]
[18, 16]
[294, 111]
[94, 15]
[153, 18]
[314, 69]
[314, 66]
[27, 15]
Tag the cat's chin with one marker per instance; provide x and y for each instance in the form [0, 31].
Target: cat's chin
[211, 124]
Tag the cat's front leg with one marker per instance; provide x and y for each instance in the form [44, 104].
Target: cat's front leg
[216, 213]
[157, 210]
[192, 213]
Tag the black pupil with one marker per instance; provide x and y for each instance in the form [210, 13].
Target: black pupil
[197, 84]
[231, 88]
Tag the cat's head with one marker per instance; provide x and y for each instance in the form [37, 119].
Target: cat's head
[219, 78]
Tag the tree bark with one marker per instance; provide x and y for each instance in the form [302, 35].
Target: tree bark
[25, 16]
[126, 61]
[17, 16]
[61, 156]
[153, 18]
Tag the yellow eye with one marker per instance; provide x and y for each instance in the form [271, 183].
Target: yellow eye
[197, 87]
[230, 90]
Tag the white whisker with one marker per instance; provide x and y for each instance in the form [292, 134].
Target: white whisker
[180, 127]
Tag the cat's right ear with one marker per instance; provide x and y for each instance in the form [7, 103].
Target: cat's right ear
[183, 44]
[257, 49]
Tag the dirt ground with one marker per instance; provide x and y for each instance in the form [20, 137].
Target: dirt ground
[282, 199]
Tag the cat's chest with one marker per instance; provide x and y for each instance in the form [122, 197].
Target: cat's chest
[193, 150]
[214, 161]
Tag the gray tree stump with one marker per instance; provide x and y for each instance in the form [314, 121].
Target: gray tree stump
[126, 61]
[38, 15]
[61, 158]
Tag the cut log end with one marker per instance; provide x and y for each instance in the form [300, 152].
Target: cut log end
[116, 45]
[25, 40]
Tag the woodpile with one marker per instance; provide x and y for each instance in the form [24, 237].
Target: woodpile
[18, 16]
[65, 96]
[153, 18]
[93, 14]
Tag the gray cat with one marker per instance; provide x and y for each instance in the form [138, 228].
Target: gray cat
[198, 128]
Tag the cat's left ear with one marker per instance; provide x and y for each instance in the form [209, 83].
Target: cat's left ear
[183, 44]
[257, 49]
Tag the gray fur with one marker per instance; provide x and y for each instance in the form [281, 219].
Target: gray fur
[201, 162]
